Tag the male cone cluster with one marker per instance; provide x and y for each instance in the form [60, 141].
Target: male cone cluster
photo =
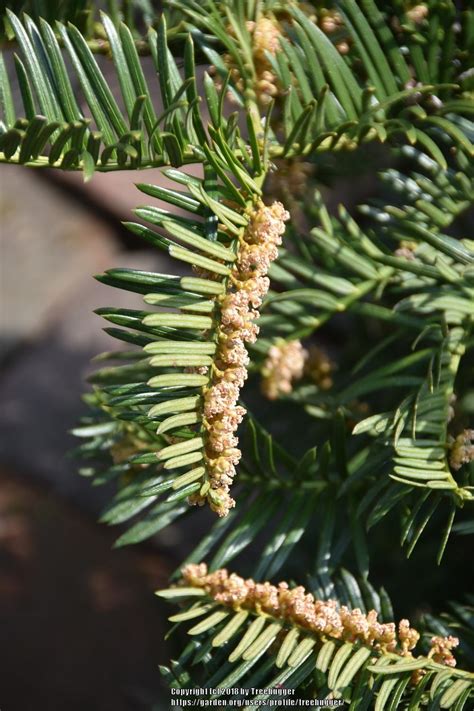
[325, 618]
[247, 286]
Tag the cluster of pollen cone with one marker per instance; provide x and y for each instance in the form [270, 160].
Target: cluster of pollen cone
[239, 309]
[325, 618]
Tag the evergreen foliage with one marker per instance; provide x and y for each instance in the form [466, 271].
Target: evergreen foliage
[365, 325]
